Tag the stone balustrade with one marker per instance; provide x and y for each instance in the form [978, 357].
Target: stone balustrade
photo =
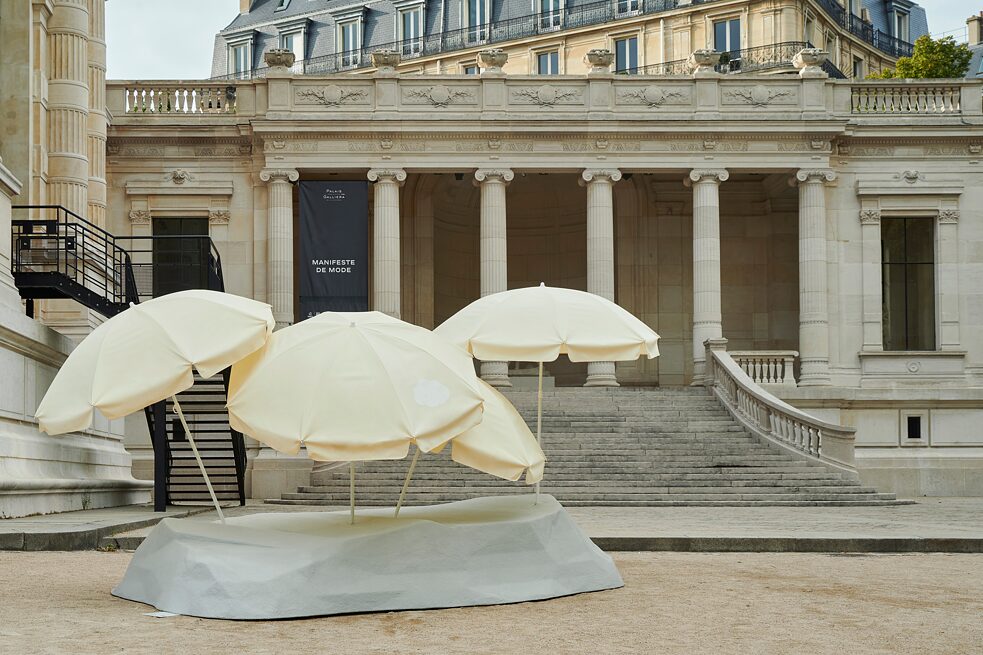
[767, 366]
[773, 420]
[176, 98]
[894, 97]
[709, 96]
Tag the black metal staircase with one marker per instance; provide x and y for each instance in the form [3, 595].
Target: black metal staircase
[58, 254]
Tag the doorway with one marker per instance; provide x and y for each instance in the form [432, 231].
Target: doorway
[180, 254]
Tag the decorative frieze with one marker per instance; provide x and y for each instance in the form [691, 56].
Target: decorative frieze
[438, 95]
[547, 95]
[331, 95]
[654, 96]
[949, 216]
[760, 96]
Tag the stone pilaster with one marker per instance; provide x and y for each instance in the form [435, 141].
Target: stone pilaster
[494, 251]
[706, 262]
[97, 120]
[872, 313]
[385, 251]
[280, 244]
[813, 312]
[600, 254]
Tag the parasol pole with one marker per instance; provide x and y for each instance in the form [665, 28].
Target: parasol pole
[406, 483]
[201, 465]
[351, 489]
[539, 418]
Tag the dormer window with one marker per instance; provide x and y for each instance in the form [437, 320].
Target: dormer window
[293, 37]
[409, 26]
[478, 12]
[240, 55]
[349, 36]
[901, 25]
[281, 5]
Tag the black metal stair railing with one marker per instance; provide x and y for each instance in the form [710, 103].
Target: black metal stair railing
[58, 254]
[55, 253]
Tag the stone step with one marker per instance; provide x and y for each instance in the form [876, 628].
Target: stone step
[370, 498]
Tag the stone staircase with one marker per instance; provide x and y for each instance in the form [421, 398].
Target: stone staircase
[630, 446]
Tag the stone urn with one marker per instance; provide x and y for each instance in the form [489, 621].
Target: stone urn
[493, 59]
[600, 60]
[810, 61]
[279, 58]
[703, 61]
[385, 61]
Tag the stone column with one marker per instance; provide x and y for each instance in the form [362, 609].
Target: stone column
[68, 105]
[385, 243]
[97, 121]
[706, 262]
[494, 252]
[813, 313]
[600, 254]
[280, 244]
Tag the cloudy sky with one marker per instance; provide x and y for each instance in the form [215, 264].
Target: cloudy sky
[172, 39]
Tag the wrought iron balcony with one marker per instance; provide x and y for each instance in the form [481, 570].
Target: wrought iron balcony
[520, 27]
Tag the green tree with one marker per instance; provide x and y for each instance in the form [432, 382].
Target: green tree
[931, 59]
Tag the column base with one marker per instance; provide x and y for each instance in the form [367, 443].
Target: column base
[601, 374]
[699, 373]
[496, 374]
[814, 374]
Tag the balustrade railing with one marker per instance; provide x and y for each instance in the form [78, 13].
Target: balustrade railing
[767, 366]
[171, 98]
[906, 98]
[772, 419]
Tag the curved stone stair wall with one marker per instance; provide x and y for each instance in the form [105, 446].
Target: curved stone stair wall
[646, 447]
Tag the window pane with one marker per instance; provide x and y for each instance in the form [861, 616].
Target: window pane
[892, 240]
[920, 299]
[720, 37]
[735, 35]
[919, 240]
[554, 63]
[893, 307]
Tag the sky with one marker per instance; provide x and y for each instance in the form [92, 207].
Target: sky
[173, 39]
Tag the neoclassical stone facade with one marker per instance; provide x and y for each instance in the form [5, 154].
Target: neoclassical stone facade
[750, 208]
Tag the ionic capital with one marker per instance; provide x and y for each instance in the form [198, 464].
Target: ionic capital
[503, 175]
[610, 175]
[279, 175]
[714, 175]
[395, 175]
[820, 175]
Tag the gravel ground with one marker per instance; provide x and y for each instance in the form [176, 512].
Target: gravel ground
[672, 603]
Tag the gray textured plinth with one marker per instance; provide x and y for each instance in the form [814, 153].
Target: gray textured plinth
[482, 551]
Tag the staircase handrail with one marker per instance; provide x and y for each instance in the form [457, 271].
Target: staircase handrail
[773, 420]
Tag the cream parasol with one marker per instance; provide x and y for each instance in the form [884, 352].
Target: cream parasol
[146, 354]
[354, 386]
[501, 445]
[538, 324]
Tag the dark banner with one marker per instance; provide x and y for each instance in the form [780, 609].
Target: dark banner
[334, 247]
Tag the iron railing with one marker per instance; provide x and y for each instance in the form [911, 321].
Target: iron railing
[749, 60]
[57, 253]
[520, 27]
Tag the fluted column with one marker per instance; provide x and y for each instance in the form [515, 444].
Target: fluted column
[97, 113]
[68, 105]
[280, 244]
[494, 251]
[385, 250]
[600, 254]
[706, 262]
[813, 313]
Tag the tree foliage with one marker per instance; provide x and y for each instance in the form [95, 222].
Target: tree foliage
[930, 59]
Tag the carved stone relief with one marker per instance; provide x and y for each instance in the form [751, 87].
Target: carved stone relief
[653, 96]
[759, 96]
[547, 95]
[438, 95]
[331, 95]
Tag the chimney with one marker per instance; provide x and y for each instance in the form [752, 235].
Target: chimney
[975, 27]
[244, 6]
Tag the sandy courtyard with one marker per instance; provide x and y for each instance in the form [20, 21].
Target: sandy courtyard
[673, 603]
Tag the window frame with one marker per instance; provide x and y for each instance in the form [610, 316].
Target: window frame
[553, 55]
[727, 21]
[618, 38]
[477, 32]
[550, 15]
[623, 8]
[245, 43]
[905, 266]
